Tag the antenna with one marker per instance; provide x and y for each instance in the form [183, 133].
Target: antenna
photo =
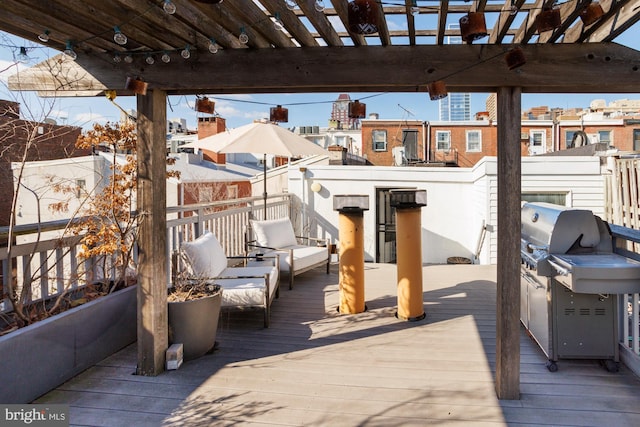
[408, 112]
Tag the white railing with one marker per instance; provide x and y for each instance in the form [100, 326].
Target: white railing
[625, 242]
[49, 265]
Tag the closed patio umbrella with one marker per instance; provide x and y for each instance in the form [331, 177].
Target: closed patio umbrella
[259, 137]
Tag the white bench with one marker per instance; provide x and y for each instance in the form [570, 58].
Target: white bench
[297, 254]
[242, 286]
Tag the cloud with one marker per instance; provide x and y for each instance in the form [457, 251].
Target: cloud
[87, 119]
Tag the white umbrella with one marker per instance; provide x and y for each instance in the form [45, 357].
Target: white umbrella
[258, 137]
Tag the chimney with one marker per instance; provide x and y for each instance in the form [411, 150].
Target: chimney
[208, 126]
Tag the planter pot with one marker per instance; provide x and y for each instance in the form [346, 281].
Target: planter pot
[194, 324]
[38, 358]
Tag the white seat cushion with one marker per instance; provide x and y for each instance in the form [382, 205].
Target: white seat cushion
[303, 257]
[274, 233]
[205, 256]
[243, 292]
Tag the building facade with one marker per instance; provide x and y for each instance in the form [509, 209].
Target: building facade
[46, 141]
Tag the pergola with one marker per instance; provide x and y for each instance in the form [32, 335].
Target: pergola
[378, 46]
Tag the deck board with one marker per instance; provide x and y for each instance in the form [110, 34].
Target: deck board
[316, 367]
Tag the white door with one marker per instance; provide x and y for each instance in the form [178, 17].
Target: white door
[537, 142]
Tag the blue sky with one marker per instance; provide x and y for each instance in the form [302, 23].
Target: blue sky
[304, 109]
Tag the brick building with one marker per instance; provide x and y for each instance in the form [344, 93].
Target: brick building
[47, 141]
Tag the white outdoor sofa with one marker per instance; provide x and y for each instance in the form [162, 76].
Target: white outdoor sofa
[297, 254]
[243, 286]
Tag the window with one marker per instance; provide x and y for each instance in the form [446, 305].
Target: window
[379, 140]
[410, 144]
[474, 141]
[443, 140]
[636, 140]
[341, 141]
[555, 198]
[537, 138]
[568, 138]
[605, 136]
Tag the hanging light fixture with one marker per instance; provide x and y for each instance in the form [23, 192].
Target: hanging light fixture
[169, 7]
[44, 36]
[149, 59]
[205, 105]
[515, 58]
[118, 37]
[279, 114]
[363, 16]
[243, 37]
[291, 4]
[437, 90]
[135, 85]
[166, 58]
[319, 5]
[128, 58]
[473, 27]
[591, 13]
[357, 110]
[548, 19]
[186, 52]
[69, 52]
[513, 11]
[117, 58]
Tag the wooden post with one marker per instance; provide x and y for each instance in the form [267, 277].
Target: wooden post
[151, 205]
[508, 275]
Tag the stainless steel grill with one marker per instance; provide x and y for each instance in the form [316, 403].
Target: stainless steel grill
[570, 279]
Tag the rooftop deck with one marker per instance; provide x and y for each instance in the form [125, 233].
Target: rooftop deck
[315, 367]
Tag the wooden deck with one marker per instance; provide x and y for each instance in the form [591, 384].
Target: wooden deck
[315, 367]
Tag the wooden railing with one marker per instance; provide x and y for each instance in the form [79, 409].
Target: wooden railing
[47, 261]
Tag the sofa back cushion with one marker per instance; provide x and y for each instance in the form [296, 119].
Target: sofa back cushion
[205, 256]
[274, 233]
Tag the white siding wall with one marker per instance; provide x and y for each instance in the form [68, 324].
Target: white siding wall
[458, 199]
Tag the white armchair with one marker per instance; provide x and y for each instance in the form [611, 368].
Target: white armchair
[297, 254]
[244, 286]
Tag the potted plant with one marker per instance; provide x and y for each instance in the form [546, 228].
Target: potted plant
[194, 308]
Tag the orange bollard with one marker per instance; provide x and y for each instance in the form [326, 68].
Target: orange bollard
[351, 273]
[409, 252]
[409, 264]
[351, 228]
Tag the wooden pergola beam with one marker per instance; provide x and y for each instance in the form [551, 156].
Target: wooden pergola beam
[550, 68]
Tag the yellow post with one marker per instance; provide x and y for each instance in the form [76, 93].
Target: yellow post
[408, 203]
[351, 273]
[409, 264]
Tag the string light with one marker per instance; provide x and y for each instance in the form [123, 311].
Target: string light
[118, 37]
[319, 5]
[69, 52]
[117, 58]
[277, 22]
[128, 59]
[243, 37]
[415, 10]
[186, 52]
[22, 55]
[44, 36]
[166, 58]
[213, 46]
[514, 8]
[291, 4]
[150, 59]
[169, 7]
